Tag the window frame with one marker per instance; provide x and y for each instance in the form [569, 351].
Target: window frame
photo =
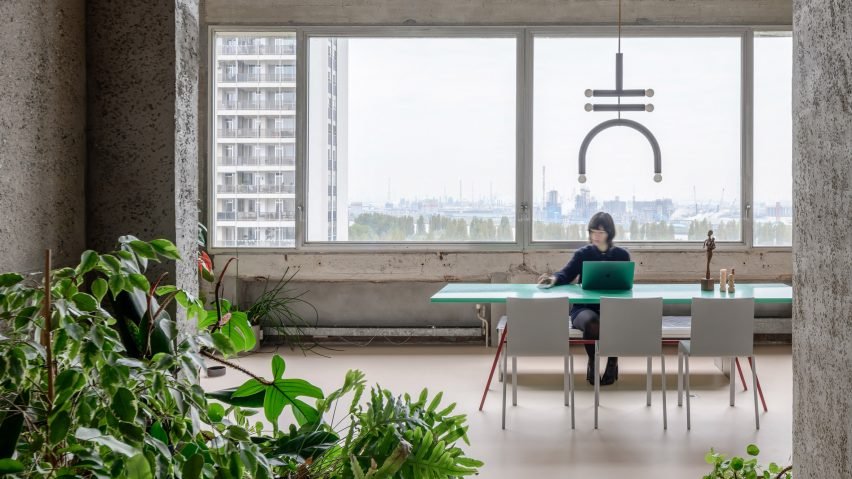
[524, 56]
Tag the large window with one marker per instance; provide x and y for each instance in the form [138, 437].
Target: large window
[773, 139]
[473, 137]
[696, 120]
[411, 139]
[254, 140]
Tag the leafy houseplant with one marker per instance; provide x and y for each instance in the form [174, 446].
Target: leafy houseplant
[96, 382]
[744, 468]
[278, 308]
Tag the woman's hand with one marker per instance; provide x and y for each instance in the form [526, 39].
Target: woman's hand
[546, 281]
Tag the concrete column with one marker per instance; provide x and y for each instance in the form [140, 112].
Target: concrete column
[142, 74]
[822, 247]
[42, 132]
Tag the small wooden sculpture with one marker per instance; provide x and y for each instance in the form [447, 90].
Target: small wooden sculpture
[731, 285]
[709, 245]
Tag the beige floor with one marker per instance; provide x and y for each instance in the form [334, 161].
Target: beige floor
[538, 441]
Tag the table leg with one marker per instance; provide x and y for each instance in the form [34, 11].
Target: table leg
[494, 365]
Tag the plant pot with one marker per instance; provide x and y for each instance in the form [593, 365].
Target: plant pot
[215, 371]
[258, 336]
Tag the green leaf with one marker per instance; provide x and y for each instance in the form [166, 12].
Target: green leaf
[277, 367]
[124, 404]
[96, 436]
[112, 263]
[88, 261]
[131, 432]
[10, 279]
[226, 396]
[249, 388]
[99, 289]
[10, 466]
[165, 248]
[224, 344]
[193, 466]
[140, 281]
[273, 404]
[116, 284]
[158, 432]
[86, 302]
[216, 412]
[70, 379]
[59, 424]
[736, 463]
[143, 249]
[169, 288]
[239, 331]
[299, 387]
[138, 468]
[752, 450]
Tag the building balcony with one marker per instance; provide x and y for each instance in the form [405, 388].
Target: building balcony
[257, 133]
[256, 105]
[255, 216]
[285, 189]
[257, 77]
[256, 161]
[256, 49]
[284, 243]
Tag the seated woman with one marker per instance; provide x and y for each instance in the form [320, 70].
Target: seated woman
[586, 317]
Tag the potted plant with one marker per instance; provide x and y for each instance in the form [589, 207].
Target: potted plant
[280, 307]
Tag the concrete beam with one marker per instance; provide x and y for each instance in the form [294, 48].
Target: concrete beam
[143, 125]
[499, 12]
[822, 249]
[678, 266]
[42, 132]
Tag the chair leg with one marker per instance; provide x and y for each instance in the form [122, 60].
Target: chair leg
[663, 377]
[679, 378]
[505, 357]
[514, 380]
[686, 380]
[740, 370]
[754, 386]
[732, 380]
[648, 383]
[501, 345]
[566, 381]
[571, 382]
[597, 383]
[760, 391]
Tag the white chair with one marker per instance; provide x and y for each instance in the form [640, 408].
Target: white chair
[631, 327]
[538, 327]
[720, 327]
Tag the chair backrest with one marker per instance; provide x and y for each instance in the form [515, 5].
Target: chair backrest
[722, 327]
[538, 327]
[631, 327]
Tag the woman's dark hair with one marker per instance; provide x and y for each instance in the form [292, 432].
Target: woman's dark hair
[603, 221]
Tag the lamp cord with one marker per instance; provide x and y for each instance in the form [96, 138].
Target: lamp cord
[619, 49]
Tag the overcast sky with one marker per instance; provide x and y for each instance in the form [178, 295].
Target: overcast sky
[425, 114]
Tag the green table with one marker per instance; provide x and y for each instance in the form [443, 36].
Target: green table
[671, 294]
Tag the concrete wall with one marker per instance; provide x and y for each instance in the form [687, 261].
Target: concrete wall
[42, 132]
[501, 12]
[822, 195]
[142, 72]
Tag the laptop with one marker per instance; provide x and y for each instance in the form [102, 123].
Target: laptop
[608, 275]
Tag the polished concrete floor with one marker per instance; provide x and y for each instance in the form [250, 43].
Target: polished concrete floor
[538, 441]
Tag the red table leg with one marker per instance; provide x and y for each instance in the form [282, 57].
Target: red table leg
[742, 378]
[494, 365]
[759, 389]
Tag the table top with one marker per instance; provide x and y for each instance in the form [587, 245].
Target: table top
[671, 293]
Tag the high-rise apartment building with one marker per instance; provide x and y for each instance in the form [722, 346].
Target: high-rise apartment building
[328, 134]
[254, 146]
